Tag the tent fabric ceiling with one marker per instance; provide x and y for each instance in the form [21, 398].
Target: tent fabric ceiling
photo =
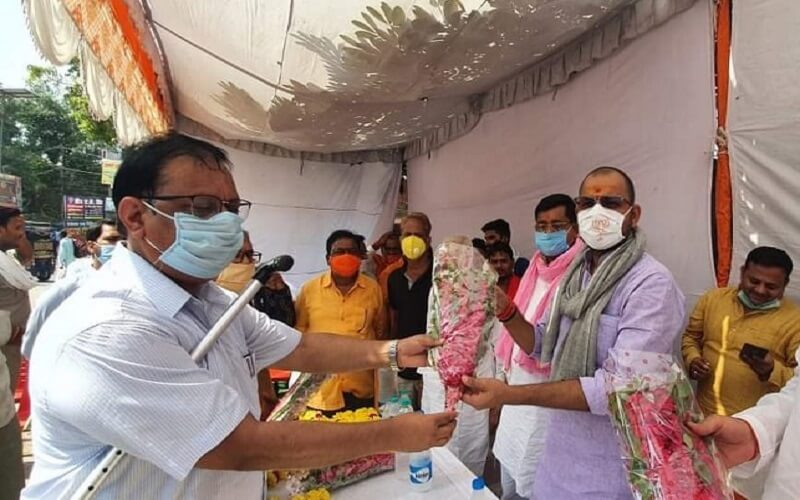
[367, 78]
[119, 63]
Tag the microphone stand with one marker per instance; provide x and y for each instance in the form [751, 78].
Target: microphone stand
[112, 459]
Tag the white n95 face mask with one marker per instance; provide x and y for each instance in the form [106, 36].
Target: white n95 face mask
[601, 228]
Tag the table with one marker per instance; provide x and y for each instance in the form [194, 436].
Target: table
[451, 481]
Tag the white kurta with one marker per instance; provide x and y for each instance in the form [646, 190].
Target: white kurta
[776, 424]
[521, 433]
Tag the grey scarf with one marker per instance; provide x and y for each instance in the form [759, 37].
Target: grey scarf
[578, 354]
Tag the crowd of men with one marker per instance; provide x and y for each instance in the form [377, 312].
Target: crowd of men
[109, 344]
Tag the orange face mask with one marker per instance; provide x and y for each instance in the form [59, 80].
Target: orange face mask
[345, 265]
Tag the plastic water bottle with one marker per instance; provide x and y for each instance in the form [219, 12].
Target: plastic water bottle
[479, 489]
[420, 470]
[404, 405]
[391, 408]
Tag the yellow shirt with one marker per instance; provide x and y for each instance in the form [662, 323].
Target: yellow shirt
[322, 307]
[718, 328]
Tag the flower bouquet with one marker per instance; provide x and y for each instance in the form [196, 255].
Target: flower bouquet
[460, 313]
[650, 401]
[336, 476]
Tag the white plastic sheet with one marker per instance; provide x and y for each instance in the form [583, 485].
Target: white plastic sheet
[296, 205]
[764, 130]
[647, 109]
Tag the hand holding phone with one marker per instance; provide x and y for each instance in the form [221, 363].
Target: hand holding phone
[753, 351]
[759, 360]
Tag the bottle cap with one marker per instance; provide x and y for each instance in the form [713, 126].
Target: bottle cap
[478, 484]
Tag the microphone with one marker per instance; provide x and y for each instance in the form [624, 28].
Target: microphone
[279, 264]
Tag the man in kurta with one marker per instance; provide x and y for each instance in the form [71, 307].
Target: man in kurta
[732, 377]
[342, 301]
[613, 296]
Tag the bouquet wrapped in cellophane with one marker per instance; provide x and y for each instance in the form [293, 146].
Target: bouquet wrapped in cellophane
[314, 482]
[650, 401]
[461, 314]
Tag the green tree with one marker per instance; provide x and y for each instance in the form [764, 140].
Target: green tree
[52, 142]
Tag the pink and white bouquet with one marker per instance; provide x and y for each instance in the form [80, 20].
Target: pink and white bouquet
[461, 313]
[650, 401]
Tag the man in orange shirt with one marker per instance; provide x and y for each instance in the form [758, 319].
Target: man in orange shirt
[342, 301]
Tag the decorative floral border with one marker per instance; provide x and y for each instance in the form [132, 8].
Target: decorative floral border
[114, 40]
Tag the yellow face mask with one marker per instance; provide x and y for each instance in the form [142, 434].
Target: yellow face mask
[236, 277]
[413, 247]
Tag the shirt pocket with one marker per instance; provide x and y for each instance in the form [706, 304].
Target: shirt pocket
[356, 319]
[607, 328]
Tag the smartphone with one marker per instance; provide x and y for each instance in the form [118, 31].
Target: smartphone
[753, 351]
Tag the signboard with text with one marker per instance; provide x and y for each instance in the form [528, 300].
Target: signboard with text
[108, 169]
[10, 191]
[83, 211]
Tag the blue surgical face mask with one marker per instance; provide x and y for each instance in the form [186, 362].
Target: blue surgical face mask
[106, 251]
[766, 306]
[202, 247]
[551, 244]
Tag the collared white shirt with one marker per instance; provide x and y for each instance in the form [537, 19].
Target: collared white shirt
[113, 367]
[49, 302]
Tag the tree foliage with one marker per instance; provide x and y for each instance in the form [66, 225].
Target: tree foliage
[52, 142]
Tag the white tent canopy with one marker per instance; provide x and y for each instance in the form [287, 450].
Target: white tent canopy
[329, 77]
[320, 102]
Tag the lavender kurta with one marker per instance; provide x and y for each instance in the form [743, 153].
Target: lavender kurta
[581, 458]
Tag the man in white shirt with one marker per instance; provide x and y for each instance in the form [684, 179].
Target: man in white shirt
[113, 366]
[764, 440]
[100, 242]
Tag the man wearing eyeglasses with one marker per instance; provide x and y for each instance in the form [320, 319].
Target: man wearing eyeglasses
[113, 364]
[613, 296]
[521, 432]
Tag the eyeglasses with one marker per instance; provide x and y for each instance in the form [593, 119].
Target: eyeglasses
[206, 206]
[610, 202]
[251, 256]
[346, 251]
[552, 227]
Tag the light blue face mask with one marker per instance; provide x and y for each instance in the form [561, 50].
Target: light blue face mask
[106, 251]
[551, 244]
[202, 247]
[766, 306]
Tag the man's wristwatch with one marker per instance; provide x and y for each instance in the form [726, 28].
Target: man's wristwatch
[393, 356]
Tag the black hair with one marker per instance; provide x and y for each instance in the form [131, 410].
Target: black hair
[770, 257]
[421, 218]
[341, 234]
[554, 201]
[93, 233]
[140, 172]
[6, 214]
[499, 226]
[500, 248]
[479, 244]
[62, 233]
[614, 170]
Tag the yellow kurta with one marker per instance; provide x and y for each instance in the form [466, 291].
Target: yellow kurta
[718, 328]
[322, 308]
